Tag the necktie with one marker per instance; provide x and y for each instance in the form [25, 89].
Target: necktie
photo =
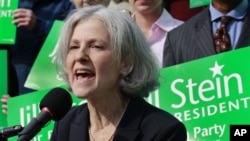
[222, 38]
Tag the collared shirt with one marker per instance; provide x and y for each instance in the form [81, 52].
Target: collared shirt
[235, 26]
[159, 31]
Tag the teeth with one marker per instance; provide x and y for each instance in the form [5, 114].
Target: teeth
[81, 71]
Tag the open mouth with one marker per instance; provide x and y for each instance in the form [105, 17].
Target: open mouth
[84, 75]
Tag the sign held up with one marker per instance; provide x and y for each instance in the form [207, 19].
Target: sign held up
[8, 30]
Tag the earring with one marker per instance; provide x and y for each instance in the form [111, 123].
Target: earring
[124, 73]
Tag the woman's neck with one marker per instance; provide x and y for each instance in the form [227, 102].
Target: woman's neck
[146, 20]
[104, 113]
[105, 117]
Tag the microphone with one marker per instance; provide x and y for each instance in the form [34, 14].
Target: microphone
[53, 106]
[10, 131]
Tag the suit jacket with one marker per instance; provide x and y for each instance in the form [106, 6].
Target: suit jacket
[194, 39]
[141, 122]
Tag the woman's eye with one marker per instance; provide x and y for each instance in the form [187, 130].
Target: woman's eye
[97, 47]
[73, 47]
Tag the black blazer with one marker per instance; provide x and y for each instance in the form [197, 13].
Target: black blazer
[141, 122]
[194, 39]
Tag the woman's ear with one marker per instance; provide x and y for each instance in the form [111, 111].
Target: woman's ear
[123, 69]
[126, 68]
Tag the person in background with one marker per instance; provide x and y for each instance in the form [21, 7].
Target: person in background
[155, 22]
[84, 3]
[195, 38]
[105, 59]
[121, 5]
[33, 20]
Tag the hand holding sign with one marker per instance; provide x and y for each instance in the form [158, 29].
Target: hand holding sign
[4, 100]
[24, 18]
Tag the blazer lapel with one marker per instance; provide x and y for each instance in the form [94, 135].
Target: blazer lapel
[79, 129]
[128, 129]
[245, 33]
[204, 39]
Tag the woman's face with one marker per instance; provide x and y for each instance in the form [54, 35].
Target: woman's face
[90, 63]
[84, 3]
[146, 6]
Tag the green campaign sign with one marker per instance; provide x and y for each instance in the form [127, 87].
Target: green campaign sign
[43, 74]
[23, 108]
[3, 84]
[198, 3]
[8, 30]
[208, 95]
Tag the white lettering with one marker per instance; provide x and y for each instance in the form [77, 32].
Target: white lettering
[179, 93]
[5, 3]
[207, 90]
[204, 132]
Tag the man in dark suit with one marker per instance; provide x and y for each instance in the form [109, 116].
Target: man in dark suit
[195, 38]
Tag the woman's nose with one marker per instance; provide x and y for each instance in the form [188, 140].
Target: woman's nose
[82, 55]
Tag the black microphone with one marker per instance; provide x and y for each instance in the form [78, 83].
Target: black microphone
[53, 106]
[10, 131]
